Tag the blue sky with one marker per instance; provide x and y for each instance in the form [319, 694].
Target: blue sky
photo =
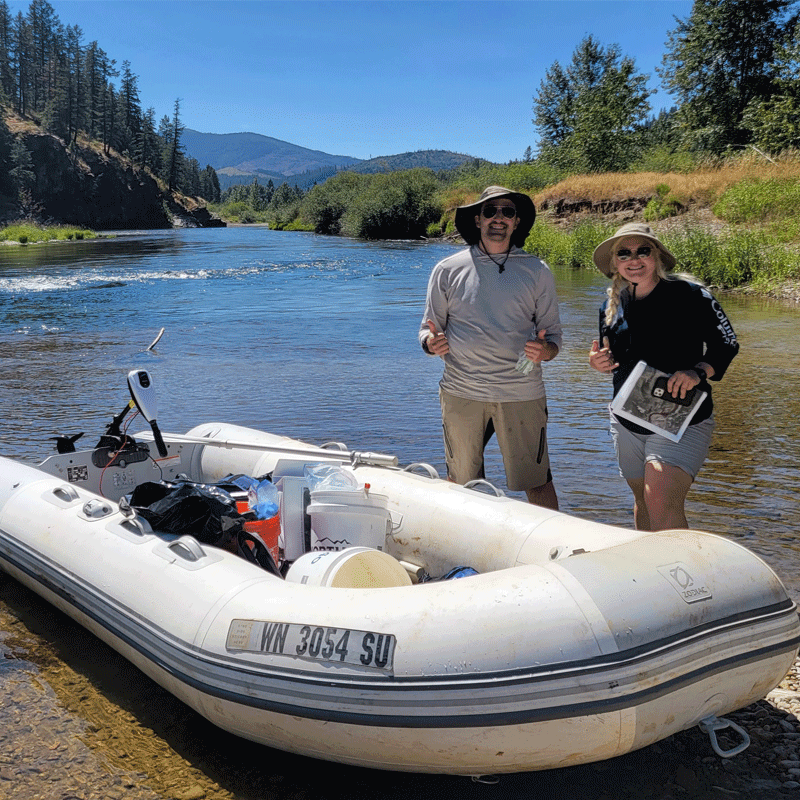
[360, 77]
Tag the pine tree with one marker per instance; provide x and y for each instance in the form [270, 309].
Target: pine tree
[176, 153]
[7, 84]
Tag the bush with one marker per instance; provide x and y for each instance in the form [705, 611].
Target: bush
[325, 204]
[663, 205]
[730, 260]
[572, 249]
[755, 200]
[394, 205]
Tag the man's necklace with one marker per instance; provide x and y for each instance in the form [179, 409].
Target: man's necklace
[501, 265]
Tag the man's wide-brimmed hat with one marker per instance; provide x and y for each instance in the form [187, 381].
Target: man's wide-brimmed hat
[526, 213]
[603, 252]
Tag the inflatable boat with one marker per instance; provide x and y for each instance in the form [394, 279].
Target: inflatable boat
[408, 623]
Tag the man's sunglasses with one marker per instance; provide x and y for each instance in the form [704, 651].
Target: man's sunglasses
[489, 212]
[641, 252]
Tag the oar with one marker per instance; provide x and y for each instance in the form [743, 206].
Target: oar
[353, 456]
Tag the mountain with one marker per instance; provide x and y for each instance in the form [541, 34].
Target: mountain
[251, 153]
[244, 157]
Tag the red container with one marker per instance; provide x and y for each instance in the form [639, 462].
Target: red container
[266, 530]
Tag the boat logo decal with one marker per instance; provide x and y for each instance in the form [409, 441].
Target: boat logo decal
[313, 643]
[688, 586]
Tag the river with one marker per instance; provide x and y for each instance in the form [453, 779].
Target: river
[312, 337]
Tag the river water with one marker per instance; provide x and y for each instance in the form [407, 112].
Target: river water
[315, 338]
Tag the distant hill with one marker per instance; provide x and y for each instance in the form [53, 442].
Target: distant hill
[249, 153]
[432, 159]
[243, 157]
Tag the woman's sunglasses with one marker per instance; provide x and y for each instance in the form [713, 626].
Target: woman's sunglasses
[489, 212]
[641, 252]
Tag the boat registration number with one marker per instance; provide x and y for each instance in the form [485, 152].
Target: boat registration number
[313, 642]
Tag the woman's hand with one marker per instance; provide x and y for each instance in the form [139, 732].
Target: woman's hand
[684, 380]
[601, 358]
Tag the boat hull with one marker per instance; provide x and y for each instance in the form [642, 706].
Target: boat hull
[577, 642]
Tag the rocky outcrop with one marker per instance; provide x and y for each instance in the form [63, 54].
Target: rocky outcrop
[83, 186]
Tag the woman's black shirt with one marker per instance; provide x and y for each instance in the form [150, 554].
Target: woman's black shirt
[679, 324]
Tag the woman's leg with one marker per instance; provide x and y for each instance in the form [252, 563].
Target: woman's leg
[641, 518]
[665, 490]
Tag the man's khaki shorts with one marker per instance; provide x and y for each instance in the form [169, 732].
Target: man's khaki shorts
[521, 430]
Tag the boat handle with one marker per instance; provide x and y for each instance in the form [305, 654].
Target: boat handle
[334, 446]
[66, 493]
[710, 725]
[431, 472]
[188, 548]
[483, 483]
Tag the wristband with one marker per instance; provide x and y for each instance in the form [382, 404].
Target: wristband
[701, 373]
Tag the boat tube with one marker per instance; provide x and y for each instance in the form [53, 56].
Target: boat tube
[568, 641]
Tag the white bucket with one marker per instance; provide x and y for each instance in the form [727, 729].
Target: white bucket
[353, 568]
[341, 519]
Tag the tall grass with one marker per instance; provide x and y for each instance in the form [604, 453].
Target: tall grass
[728, 261]
[30, 233]
[704, 186]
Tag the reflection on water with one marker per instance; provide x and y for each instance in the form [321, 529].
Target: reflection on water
[314, 338]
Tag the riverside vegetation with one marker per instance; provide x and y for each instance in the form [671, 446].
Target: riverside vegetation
[731, 222]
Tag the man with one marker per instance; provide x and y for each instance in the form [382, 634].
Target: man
[485, 307]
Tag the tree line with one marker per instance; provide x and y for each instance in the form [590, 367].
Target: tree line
[49, 74]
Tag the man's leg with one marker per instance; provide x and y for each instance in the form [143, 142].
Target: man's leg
[521, 430]
[543, 496]
[464, 424]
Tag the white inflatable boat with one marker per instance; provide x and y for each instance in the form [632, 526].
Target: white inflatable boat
[574, 642]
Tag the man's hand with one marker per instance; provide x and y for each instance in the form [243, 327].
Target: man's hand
[436, 342]
[538, 350]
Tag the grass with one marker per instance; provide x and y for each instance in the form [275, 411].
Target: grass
[736, 258]
[704, 186]
[30, 233]
[754, 239]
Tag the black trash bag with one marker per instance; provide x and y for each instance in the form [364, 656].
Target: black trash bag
[205, 511]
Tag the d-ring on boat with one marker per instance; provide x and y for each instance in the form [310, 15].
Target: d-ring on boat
[574, 642]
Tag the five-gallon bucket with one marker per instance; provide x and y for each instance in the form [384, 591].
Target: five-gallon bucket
[353, 568]
[341, 519]
[267, 530]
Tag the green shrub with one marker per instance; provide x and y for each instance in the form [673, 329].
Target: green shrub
[572, 249]
[394, 205]
[434, 230]
[663, 205]
[756, 200]
[727, 261]
[23, 239]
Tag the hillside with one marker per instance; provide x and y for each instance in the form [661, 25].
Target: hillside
[84, 186]
[242, 157]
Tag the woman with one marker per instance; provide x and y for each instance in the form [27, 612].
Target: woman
[675, 325]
